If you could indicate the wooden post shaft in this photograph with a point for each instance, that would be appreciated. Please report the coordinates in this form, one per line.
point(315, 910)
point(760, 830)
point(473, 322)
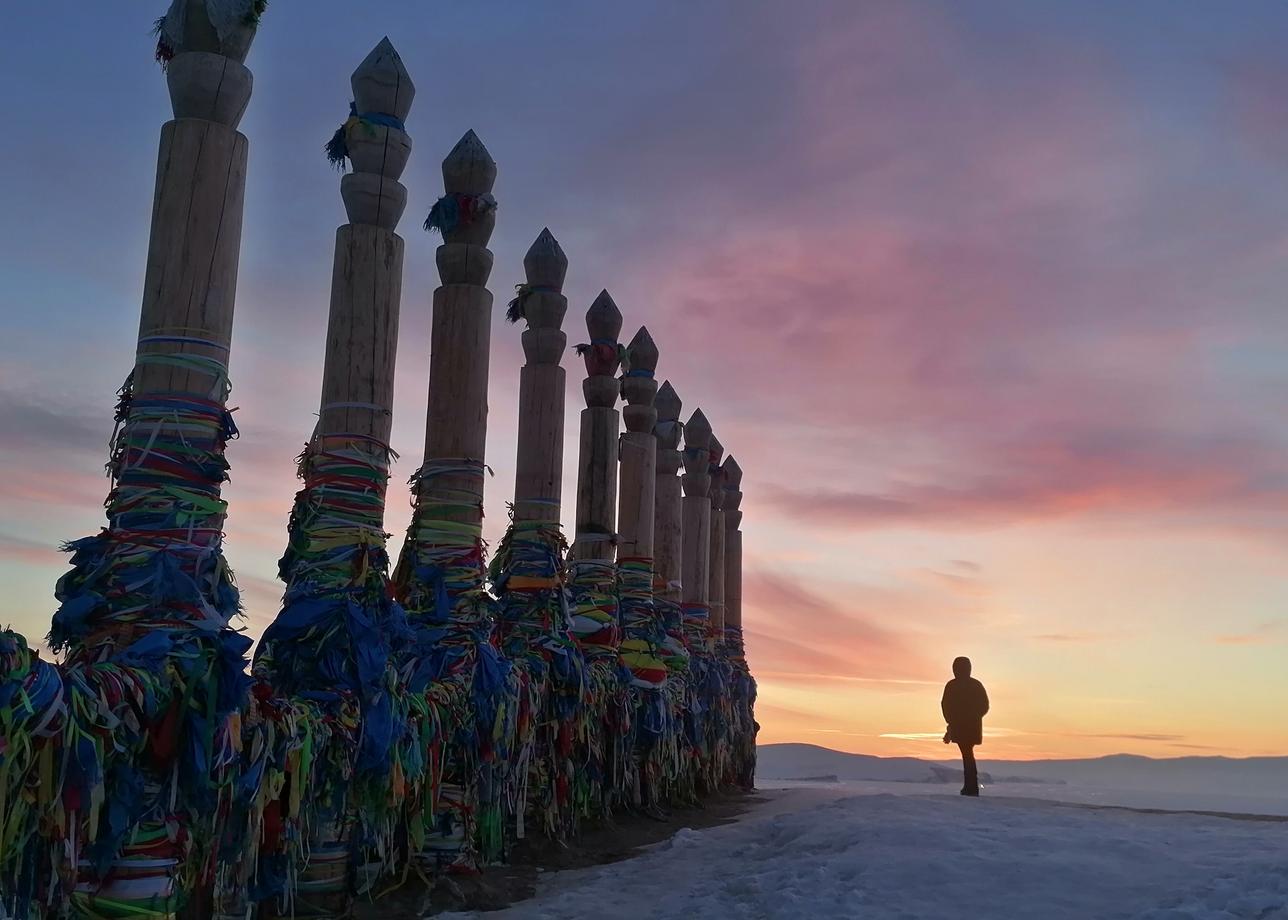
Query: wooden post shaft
point(667, 503)
point(733, 542)
point(538, 468)
point(638, 451)
point(596, 531)
point(448, 515)
point(697, 512)
point(716, 557)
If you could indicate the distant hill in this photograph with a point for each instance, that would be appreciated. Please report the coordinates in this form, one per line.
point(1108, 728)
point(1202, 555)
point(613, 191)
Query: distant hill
point(810, 763)
point(1254, 776)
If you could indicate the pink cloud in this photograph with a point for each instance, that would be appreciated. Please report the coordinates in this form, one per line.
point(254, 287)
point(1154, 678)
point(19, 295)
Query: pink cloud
point(31, 552)
point(1069, 476)
point(796, 630)
point(1264, 634)
point(1074, 637)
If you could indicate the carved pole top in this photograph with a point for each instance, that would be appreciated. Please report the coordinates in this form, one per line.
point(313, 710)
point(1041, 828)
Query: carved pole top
point(381, 84)
point(469, 169)
point(545, 265)
point(642, 352)
point(697, 432)
point(224, 28)
point(668, 405)
point(715, 450)
point(697, 463)
point(733, 474)
point(667, 429)
point(540, 301)
point(638, 386)
point(603, 319)
point(715, 453)
point(602, 354)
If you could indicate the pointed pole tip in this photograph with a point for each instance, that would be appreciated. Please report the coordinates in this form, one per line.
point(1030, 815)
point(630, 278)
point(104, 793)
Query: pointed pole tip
point(604, 302)
point(469, 145)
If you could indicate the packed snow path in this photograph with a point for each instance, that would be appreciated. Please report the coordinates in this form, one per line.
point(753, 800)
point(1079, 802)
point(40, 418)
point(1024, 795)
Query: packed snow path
point(828, 853)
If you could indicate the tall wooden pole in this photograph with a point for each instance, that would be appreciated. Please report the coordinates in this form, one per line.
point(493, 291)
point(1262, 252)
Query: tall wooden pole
point(528, 572)
point(641, 639)
point(152, 592)
point(643, 636)
point(591, 568)
point(716, 557)
point(440, 574)
point(668, 518)
point(733, 548)
point(742, 687)
point(336, 626)
point(721, 705)
point(538, 468)
point(668, 555)
point(592, 554)
point(638, 452)
point(596, 534)
point(667, 513)
point(704, 684)
point(696, 547)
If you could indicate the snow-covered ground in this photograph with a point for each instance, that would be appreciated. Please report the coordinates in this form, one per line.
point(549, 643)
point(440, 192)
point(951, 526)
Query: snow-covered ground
point(907, 850)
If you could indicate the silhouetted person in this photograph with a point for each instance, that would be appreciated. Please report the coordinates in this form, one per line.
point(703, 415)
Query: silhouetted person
point(965, 704)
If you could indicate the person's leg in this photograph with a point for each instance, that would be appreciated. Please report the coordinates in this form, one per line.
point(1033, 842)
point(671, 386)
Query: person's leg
point(970, 773)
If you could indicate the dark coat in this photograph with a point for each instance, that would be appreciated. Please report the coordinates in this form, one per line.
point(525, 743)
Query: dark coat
point(965, 704)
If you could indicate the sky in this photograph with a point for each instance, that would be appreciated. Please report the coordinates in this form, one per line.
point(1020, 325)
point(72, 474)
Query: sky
point(986, 299)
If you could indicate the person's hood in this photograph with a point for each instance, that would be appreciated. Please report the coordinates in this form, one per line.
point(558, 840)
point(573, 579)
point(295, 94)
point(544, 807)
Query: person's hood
point(961, 667)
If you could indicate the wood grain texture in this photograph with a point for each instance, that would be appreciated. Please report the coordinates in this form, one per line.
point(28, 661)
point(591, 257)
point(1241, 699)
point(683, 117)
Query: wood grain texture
point(696, 556)
point(636, 495)
point(362, 332)
point(596, 484)
point(190, 282)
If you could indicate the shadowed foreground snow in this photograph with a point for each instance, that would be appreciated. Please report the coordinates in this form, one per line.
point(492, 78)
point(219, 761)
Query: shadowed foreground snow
point(827, 852)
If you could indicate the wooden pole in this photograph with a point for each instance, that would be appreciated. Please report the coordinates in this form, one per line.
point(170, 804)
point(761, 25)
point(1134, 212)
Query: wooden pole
point(704, 685)
point(528, 570)
point(668, 553)
point(638, 453)
point(733, 545)
point(716, 559)
point(742, 686)
point(157, 570)
point(591, 569)
point(538, 468)
point(446, 530)
point(667, 514)
point(335, 629)
point(596, 534)
point(696, 550)
point(440, 573)
point(643, 635)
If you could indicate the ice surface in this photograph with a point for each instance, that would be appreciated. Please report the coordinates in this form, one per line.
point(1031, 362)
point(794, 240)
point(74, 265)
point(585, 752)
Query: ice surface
point(856, 850)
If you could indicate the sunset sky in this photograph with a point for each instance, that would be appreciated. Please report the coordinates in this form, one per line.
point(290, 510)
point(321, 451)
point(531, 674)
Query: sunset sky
point(987, 298)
